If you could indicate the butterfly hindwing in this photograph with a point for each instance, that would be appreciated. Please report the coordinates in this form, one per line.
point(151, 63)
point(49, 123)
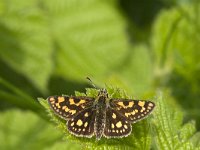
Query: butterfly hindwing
point(116, 124)
point(68, 106)
point(132, 110)
point(83, 123)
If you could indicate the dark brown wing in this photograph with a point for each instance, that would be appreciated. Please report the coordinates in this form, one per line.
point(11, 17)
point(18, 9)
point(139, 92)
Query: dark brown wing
point(83, 123)
point(67, 107)
point(116, 124)
point(132, 110)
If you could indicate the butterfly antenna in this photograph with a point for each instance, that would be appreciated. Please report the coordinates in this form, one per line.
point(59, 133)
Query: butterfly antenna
point(91, 82)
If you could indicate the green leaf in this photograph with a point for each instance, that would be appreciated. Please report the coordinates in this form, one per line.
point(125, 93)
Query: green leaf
point(86, 33)
point(64, 145)
point(170, 134)
point(137, 74)
point(195, 139)
point(25, 41)
point(140, 138)
point(14, 96)
point(173, 45)
point(24, 130)
point(176, 45)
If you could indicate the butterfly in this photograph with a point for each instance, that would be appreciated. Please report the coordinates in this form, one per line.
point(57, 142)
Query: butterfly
point(100, 116)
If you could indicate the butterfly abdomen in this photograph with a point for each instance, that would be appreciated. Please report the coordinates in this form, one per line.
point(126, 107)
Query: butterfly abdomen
point(100, 117)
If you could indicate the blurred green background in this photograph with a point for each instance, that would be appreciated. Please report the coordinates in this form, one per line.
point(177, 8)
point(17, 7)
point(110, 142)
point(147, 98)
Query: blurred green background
point(48, 47)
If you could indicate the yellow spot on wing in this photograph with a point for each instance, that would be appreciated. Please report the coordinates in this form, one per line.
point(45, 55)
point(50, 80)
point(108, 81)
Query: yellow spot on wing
point(85, 125)
point(127, 114)
point(114, 116)
point(151, 104)
point(133, 112)
point(112, 125)
point(66, 109)
point(61, 99)
point(71, 101)
point(58, 105)
point(72, 111)
point(79, 122)
point(143, 109)
point(125, 126)
point(52, 102)
point(72, 124)
point(141, 103)
point(119, 124)
point(52, 99)
point(82, 101)
point(121, 104)
point(86, 114)
point(130, 104)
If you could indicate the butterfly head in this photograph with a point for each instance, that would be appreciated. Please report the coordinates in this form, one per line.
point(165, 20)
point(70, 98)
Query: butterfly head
point(103, 93)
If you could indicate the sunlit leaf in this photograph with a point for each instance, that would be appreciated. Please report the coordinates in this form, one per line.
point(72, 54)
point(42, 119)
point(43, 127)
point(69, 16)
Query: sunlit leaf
point(90, 39)
point(25, 41)
point(24, 130)
point(170, 134)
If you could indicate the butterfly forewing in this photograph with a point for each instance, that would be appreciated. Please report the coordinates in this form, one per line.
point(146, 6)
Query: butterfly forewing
point(116, 124)
point(83, 123)
point(67, 107)
point(132, 110)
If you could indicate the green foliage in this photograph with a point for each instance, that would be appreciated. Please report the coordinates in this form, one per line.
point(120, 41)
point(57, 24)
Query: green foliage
point(24, 130)
point(136, 77)
point(177, 54)
point(170, 134)
point(84, 33)
point(17, 97)
point(26, 33)
point(48, 47)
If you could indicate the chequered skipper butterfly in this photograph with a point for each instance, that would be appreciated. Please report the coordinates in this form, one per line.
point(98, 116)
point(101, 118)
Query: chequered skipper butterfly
point(100, 116)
